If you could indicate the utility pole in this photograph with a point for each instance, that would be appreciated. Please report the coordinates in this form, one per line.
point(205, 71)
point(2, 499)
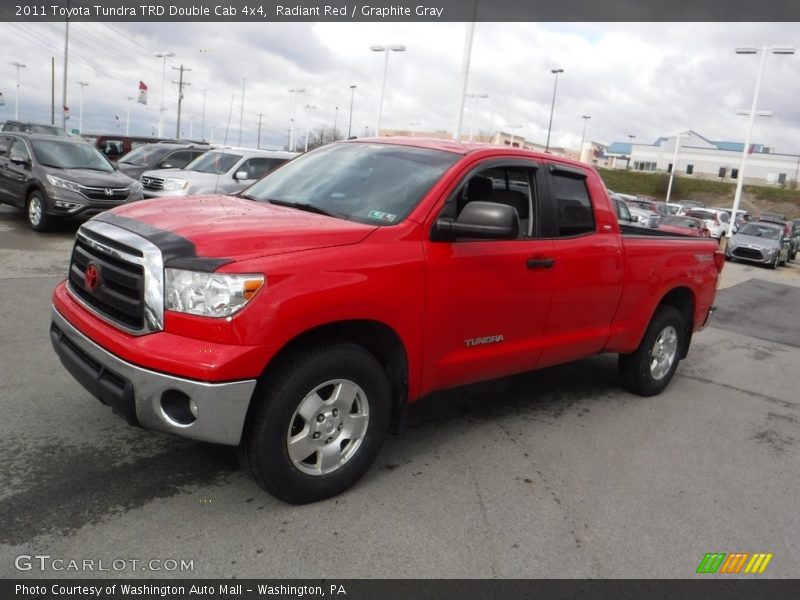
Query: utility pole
point(128, 117)
point(241, 114)
point(64, 87)
point(180, 85)
point(350, 123)
point(83, 84)
point(258, 143)
point(335, 118)
point(52, 90)
point(16, 97)
point(203, 118)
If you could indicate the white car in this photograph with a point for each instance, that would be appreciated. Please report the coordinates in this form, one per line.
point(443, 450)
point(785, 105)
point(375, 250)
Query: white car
point(716, 220)
point(219, 171)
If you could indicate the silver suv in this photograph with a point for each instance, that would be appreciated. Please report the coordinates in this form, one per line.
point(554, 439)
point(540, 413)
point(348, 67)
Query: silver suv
point(220, 171)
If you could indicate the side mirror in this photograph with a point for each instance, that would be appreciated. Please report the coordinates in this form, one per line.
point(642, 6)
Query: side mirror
point(165, 165)
point(484, 220)
point(240, 175)
point(20, 161)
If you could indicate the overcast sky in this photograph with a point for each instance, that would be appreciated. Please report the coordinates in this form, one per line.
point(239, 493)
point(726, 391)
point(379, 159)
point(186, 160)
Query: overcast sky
point(643, 79)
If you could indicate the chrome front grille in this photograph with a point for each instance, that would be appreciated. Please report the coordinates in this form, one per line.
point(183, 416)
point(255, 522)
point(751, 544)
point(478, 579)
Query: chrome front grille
point(152, 183)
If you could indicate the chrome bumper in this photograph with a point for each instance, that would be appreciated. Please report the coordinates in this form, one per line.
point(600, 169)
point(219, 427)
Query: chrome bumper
point(139, 394)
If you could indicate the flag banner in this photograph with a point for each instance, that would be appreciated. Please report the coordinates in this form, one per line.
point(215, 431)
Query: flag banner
point(142, 93)
point(66, 112)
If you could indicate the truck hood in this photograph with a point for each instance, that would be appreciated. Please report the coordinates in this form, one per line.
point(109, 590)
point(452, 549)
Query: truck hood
point(233, 228)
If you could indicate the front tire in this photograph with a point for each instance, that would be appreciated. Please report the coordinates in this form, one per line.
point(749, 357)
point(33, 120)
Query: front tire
point(36, 212)
point(649, 369)
point(320, 421)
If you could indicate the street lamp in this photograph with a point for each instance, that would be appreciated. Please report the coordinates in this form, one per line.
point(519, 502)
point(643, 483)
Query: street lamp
point(335, 119)
point(128, 117)
point(583, 135)
point(16, 95)
point(474, 111)
point(308, 108)
point(512, 128)
point(163, 56)
point(294, 92)
point(393, 48)
point(552, 106)
point(630, 142)
point(740, 177)
point(674, 165)
point(80, 106)
point(350, 122)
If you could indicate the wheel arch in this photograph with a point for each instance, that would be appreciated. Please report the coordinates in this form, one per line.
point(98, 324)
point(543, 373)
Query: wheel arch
point(379, 339)
point(683, 300)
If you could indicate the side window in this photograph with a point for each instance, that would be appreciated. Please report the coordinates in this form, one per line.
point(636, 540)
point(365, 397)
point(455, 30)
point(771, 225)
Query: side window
point(256, 168)
point(19, 151)
point(574, 213)
point(5, 144)
point(178, 160)
point(504, 185)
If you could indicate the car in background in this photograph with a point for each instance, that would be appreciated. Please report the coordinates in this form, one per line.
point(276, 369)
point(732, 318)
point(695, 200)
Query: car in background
point(689, 204)
point(784, 222)
point(644, 217)
point(624, 216)
point(55, 178)
point(683, 225)
point(219, 171)
point(795, 237)
point(760, 242)
point(742, 216)
point(26, 127)
point(161, 155)
point(716, 220)
point(115, 146)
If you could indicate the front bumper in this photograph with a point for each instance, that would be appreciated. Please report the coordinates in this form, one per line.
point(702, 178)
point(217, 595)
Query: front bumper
point(763, 256)
point(151, 399)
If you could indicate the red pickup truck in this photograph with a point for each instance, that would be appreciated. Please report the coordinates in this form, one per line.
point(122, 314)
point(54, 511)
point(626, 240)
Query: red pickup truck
point(298, 319)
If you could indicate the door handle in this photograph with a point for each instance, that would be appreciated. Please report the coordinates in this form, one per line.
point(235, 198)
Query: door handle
point(540, 263)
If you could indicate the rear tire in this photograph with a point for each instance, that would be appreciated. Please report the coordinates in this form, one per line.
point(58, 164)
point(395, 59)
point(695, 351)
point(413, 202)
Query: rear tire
point(320, 422)
point(649, 369)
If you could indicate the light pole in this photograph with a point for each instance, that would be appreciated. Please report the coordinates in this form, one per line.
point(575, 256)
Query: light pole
point(16, 95)
point(335, 119)
point(294, 92)
point(241, 113)
point(512, 128)
point(583, 135)
point(308, 107)
point(350, 122)
point(630, 142)
point(80, 106)
point(740, 177)
point(386, 49)
point(474, 112)
point(674, 165)
point(413, 125)
point(128, 117)
point(163, 56)
point(552, 107)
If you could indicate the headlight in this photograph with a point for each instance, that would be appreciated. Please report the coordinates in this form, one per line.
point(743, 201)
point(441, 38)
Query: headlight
point(135, 187)
point(172, 184)
point(63, 183)
point(642, 220)
point(209, 294)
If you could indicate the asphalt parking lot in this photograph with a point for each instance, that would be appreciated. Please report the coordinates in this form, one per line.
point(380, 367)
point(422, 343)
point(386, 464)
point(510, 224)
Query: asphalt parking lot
point(556, 473)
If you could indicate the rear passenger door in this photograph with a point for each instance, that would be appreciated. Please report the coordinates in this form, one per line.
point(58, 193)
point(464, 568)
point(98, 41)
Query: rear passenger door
point(587, 265)
point(15, 172)
point(487, 299)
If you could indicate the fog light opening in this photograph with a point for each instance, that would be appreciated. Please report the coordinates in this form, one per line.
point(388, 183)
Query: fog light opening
point(179, 407)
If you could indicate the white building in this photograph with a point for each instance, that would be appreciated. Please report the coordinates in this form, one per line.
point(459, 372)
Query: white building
point(703, 158)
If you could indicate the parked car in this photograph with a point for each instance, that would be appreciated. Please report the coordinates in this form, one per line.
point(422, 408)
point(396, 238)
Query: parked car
point(742, 216)
point(219, 171)
point(161, 155)
point(760, 242)
point(795, 238)
point(644, 217)
point(55, 178)
point(298, 320)
point(689, 204)
point(716, 220)
point(685, 226)
point(26, 127)
point(624, 216)
point(788, 230)
point(115, 146)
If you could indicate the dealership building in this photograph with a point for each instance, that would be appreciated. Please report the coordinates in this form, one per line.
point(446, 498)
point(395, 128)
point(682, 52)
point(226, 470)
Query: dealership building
point(706, 159)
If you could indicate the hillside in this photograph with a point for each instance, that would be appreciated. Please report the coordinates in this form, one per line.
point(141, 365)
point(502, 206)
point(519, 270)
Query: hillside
point(756, 199)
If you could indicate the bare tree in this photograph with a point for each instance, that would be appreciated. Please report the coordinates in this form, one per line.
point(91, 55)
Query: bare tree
point(321, 135)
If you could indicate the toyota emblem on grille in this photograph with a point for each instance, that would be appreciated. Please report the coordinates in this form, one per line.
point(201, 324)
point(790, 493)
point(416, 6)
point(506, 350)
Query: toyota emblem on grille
point(109, 192)
point(92, 277)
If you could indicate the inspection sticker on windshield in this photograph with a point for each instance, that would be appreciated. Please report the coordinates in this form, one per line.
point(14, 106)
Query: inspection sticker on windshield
point(383, 216)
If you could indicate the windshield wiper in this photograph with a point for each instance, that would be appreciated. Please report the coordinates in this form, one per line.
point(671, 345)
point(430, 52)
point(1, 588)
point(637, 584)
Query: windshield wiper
point(312, 208)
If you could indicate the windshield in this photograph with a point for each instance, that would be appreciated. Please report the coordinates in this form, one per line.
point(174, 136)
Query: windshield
point(682, 222)
point(70, 155)
point(760, 231)
point(370, 183)
point(144, 156)
point(213, 162)
point(47, 129)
